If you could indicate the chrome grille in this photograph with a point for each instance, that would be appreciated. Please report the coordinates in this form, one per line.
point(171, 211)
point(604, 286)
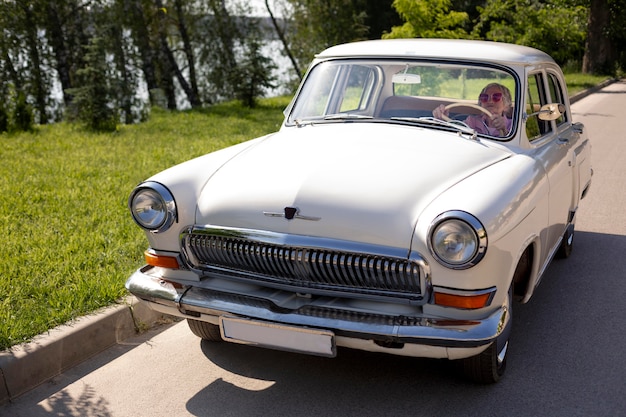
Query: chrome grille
point(255, 256)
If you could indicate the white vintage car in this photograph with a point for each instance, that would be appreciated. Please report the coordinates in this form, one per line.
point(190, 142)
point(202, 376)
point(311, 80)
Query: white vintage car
point(416, 188)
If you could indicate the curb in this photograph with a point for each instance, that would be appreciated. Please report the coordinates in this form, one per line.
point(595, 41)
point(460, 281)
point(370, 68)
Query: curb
point(24, 367)
point(573, 99)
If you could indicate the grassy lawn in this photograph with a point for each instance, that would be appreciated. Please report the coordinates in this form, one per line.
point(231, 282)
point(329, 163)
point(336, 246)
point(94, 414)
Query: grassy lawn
point(68, 242)
point(577, 82)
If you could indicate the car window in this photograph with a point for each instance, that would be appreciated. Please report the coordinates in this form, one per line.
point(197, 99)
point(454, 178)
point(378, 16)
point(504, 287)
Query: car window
point(556, 94)
point(359, 84)
point(332, 89)
point(362, 89)
point(535, 98)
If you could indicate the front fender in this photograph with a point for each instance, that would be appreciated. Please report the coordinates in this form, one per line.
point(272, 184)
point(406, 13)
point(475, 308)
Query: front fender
point(510, 199)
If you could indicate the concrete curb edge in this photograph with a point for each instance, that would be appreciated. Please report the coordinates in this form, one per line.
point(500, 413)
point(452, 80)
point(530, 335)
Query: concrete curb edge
point(578, 96)
point(25, 366)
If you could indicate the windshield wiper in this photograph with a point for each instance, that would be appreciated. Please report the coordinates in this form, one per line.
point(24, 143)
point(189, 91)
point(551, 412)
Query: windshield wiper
point(458, 125)
point(347, 116)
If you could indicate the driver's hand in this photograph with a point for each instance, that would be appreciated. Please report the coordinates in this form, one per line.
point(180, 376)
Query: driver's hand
point(440, 111)
point(499, 122)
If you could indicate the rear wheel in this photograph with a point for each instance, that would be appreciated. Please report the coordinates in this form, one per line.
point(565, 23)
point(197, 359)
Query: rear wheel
point(204, 330)
point(567, 244)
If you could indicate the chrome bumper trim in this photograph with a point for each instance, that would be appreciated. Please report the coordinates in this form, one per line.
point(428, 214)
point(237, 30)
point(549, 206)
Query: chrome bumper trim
point(194, 303)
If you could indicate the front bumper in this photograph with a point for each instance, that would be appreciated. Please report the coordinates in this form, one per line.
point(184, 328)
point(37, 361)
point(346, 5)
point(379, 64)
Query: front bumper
point(432, 337)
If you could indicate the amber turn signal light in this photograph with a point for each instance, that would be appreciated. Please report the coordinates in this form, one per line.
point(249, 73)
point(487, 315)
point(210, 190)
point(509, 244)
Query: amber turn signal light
point(462, 301)
point(160, 260)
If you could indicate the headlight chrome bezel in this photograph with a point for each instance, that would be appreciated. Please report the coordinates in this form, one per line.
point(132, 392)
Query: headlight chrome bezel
point(472, 229)
point(164, 201)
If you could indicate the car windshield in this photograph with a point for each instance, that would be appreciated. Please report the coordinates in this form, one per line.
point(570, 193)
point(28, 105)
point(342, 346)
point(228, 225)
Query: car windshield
point(469, 96)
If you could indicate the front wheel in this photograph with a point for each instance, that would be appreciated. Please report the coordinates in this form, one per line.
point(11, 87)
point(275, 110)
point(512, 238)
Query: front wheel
point(488, 366)
point(204, 330)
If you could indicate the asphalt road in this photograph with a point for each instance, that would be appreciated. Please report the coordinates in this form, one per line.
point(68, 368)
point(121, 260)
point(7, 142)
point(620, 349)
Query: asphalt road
point(567, 353)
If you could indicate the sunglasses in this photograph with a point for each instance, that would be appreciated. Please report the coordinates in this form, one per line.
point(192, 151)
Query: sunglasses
point(495, 97)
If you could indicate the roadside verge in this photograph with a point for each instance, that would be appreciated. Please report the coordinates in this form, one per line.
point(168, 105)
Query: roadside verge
point(25, 366)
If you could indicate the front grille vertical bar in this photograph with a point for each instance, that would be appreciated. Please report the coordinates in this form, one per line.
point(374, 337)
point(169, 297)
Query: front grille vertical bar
point(304, 267)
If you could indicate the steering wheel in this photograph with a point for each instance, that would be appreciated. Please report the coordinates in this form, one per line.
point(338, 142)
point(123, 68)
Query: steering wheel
point(474, 106)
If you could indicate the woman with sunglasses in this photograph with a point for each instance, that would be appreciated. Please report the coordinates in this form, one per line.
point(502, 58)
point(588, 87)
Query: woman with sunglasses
point(495, 98)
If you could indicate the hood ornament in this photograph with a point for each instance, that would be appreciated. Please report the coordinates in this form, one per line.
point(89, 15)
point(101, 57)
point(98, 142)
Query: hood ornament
point(290, 213)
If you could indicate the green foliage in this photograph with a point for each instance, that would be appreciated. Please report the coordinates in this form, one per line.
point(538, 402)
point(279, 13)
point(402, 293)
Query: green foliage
point(68, 240)
point(558, 27)
point(94, 97)
point(319, 24)
point(4, 120)
point(429, 19)
point(254, 74)
point(22, 114)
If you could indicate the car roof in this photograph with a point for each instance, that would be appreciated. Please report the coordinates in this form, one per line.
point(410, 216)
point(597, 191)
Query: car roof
point(444, 49)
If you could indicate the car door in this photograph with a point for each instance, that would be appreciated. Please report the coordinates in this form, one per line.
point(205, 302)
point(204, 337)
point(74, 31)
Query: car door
point(552, 146)
point(574, 134)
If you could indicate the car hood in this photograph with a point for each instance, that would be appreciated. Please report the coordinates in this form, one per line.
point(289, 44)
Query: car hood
point(364, 182)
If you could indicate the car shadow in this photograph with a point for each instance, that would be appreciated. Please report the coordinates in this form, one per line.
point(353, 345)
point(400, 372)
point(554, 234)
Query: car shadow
point(567, 335)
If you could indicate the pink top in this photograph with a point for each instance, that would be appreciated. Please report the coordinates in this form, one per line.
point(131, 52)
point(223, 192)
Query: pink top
point(479, 124)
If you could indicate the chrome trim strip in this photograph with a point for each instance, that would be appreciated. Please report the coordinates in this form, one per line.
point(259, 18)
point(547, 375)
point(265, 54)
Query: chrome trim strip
point(203, 304)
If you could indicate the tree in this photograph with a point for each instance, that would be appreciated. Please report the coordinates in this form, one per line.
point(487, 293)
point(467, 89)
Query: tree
point(318, 24)
point(429, 19)
point(283, 39)
point(92, 102)
point(557, 27)
point(20, 47)
point(171, 66)
point(188, 51)
point(254, 74)
point(65, 23)
point(139, 24)
point(604, 49)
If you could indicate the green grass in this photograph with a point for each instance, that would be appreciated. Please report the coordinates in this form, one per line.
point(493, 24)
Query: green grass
point(577, 82)
point(68, 242)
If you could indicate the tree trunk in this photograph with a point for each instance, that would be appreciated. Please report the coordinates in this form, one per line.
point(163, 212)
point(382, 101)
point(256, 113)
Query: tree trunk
point(599, 55)
point(283, 40)
point(188, 48)
point(39, 88)
point(141, 35)
point(61, 52)
point(172, 65)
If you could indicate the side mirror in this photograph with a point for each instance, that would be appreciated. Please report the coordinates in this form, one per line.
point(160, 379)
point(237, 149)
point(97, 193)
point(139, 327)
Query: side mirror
point(549, 112)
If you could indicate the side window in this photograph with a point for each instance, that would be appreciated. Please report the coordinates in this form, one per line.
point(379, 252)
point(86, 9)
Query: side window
point(556, 93)
point(358, 89)
point(535, 98)
point(315, 96)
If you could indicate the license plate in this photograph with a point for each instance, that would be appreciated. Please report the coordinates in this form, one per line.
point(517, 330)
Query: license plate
point(278, 336)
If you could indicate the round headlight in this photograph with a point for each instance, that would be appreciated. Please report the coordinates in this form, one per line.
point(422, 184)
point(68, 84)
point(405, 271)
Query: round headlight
point(458, 240)
point(152, 207)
